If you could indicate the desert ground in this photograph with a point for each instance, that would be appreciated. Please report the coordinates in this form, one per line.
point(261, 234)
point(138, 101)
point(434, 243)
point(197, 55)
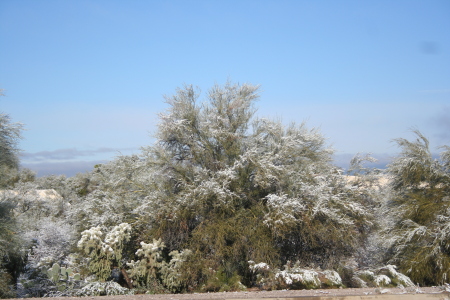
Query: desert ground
point(415, 293)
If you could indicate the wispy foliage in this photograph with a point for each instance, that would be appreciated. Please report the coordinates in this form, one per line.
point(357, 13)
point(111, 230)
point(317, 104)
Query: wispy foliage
point(421, 206)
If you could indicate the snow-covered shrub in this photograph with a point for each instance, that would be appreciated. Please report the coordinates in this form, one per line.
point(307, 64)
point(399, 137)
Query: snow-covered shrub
point(214, 164)
point(298, 279)
point(112, 193)
point(294, 277)
point(382, 280)
point(330, 278)
point(396, 277)
point(381, 277)
point(262, 275)
point(156, 272)
point(51, 242)
point(108, 288)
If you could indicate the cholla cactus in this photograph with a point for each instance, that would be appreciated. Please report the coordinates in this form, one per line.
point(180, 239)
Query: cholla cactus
point(172, 272)
point(116, 239)
point(146, 270)
point(90, 239)
point(107, 254)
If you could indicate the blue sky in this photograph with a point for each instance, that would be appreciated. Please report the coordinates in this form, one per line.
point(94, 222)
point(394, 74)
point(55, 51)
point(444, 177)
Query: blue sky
point(87, 78)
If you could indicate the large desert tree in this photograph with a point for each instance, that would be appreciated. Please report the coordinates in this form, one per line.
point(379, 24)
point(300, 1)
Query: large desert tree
point(234, 188)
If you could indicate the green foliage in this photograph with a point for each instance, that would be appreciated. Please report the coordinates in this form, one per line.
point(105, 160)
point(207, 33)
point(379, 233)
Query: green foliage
point(7, 225)
point(12, 257)
point(222, 281)
point(6, 290)
point(228, 242)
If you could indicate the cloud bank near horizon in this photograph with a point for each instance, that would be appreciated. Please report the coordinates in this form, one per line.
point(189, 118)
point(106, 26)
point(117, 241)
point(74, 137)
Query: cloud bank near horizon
point(68, 169)
point(67, 161)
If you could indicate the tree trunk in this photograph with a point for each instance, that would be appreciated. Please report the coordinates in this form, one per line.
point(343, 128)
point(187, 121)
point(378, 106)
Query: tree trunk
point(127, 279)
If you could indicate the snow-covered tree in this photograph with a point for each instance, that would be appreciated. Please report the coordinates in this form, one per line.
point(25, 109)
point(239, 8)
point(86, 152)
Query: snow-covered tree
point(420, 207)
point(216, 171)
